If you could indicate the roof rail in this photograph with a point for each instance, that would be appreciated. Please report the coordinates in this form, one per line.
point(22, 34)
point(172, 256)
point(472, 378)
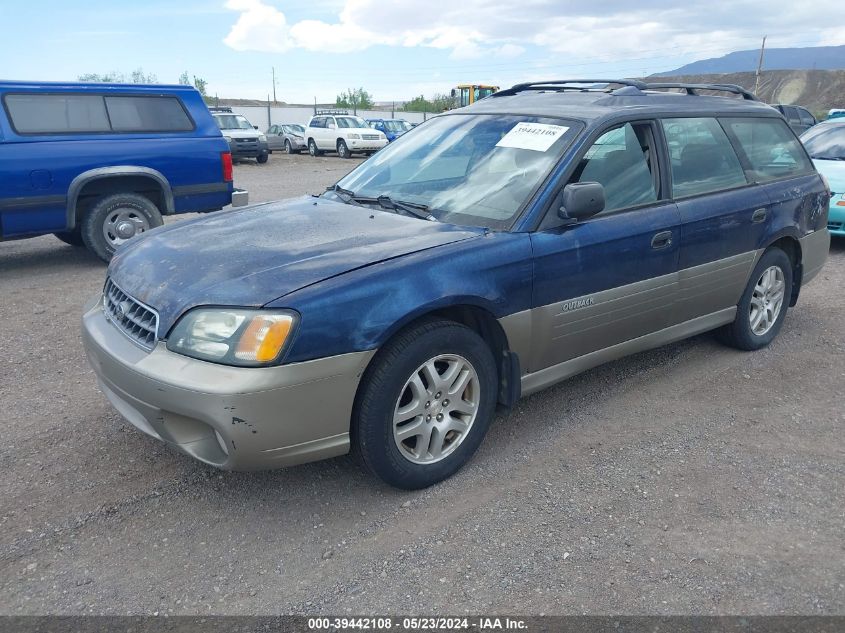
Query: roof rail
point(691, 88)
point(566, 84)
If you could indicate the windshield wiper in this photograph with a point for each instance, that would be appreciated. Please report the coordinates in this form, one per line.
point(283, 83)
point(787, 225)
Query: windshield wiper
point(348, 196)
point(412, 208)
point(828, 157)
point(386, 202)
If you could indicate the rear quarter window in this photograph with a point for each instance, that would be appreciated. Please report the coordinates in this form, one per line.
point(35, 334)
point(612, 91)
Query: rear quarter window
point(770, 147)
point(56, 113)
point(148, 114)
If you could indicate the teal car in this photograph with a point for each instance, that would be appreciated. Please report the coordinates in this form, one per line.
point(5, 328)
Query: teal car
point(825, 143)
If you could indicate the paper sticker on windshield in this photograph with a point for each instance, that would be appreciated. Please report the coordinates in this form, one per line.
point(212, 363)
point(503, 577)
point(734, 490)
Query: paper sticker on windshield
point(534, 136)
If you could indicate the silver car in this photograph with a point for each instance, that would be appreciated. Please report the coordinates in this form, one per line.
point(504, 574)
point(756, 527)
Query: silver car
point(287, 137)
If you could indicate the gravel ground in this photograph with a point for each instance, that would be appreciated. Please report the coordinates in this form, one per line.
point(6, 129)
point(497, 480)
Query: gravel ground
point(690, 479)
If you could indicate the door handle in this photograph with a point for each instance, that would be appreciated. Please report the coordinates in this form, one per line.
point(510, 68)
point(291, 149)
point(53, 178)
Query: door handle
point(758, 216)
point(662, 240)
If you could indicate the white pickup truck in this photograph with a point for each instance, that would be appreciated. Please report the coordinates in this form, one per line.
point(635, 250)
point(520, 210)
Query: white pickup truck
point(342, 133)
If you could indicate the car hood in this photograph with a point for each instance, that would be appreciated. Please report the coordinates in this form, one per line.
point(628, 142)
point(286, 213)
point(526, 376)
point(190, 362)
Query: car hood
point(834, 171)
point(249, 257)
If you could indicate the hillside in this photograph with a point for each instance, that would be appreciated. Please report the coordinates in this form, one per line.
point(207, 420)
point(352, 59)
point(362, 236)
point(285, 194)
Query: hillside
point(811, 58)
point(816, 90)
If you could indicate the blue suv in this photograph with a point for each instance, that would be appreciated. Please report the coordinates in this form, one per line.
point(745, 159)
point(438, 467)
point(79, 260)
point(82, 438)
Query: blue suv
point(489, 253)
point(97, 164)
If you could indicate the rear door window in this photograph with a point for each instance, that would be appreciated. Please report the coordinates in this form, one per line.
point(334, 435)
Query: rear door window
point(771, 148)
point(702, 157)
point(806, 117)
point(148, 114)
point(57, 113)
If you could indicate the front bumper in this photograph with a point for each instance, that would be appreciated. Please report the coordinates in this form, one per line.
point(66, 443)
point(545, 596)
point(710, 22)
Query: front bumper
point(361, 145)
point(836, 215)
point(244, 148)
point(229, 417)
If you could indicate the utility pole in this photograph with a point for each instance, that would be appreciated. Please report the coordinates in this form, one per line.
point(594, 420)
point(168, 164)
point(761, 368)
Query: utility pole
point(273, 68)
point(759, 67)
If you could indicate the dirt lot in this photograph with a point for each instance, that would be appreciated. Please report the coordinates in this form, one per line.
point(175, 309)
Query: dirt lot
point(691, 479)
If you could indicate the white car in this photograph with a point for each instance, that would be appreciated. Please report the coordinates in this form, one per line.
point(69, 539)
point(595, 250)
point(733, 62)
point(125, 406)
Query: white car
point(342, 133)
point(245, 141)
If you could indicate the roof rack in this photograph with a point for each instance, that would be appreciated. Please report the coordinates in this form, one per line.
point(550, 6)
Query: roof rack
point(567, 84)
point(331, 111)
point(220, 109)
point(691, 88)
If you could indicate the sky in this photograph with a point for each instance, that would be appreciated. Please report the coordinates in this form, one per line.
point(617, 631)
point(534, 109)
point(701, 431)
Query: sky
point(394, 49)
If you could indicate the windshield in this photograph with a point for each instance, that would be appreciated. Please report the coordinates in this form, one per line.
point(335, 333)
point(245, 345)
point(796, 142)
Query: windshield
point(825, 142)
point(232, 122)
point(296, 129)
point(468, 169)
point(350, 121)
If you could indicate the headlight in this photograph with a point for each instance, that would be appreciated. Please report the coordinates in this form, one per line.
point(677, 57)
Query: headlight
point(299, 138)
point(228, 139)
point(352, 135)
point(233, 336)
point(262, 137)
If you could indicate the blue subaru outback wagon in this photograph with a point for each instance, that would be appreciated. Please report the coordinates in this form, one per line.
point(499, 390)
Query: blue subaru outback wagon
point(488, 253)
point(97, 164)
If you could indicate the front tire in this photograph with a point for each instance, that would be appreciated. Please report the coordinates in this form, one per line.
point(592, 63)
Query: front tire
point(262, 158)
point(343, 149)
point(762, 309)
point(288, 148)
point(425, 404)
point(115, 220)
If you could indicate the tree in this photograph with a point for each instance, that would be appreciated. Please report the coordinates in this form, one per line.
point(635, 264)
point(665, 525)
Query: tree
point(200, 84)
point(137, 76)
point(184, 79)
point(110, 77)
point(355, 98)
point(418, 104)
point(438, 103)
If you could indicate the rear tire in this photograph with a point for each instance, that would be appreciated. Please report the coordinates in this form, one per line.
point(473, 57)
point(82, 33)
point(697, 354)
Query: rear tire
point(762, 308)
point(115, 220)
point(425, 404)
point(312, 148)
point(74, 237)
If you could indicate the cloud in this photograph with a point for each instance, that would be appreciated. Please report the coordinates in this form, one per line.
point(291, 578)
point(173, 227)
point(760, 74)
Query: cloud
point(260, 27)
point(577, 29)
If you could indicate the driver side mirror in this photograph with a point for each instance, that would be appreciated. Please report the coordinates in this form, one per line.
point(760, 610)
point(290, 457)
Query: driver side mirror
point(255, 127)
point(581, 200)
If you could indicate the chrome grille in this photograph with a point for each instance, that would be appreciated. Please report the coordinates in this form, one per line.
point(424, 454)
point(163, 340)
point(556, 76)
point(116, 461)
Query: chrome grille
point(137, 321)
point(370, 137)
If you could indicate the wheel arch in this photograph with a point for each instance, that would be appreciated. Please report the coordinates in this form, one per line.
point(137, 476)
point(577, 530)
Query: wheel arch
point(107, 180)
point(789, 244)
point(480, 319)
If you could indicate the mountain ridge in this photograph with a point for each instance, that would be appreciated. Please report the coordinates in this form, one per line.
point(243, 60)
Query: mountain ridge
point(807, 58)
